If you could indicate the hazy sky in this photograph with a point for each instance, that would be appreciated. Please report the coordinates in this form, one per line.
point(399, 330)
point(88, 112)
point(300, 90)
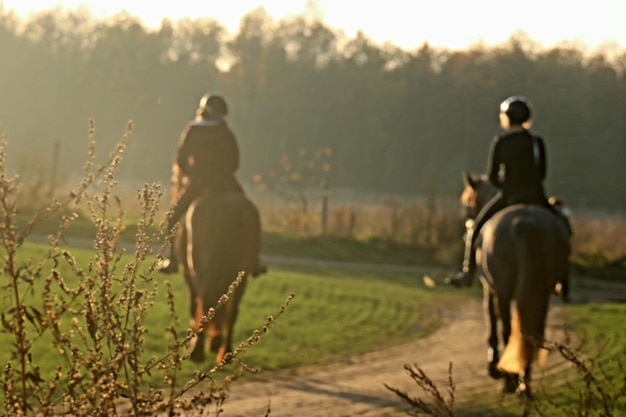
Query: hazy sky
point(406, 23)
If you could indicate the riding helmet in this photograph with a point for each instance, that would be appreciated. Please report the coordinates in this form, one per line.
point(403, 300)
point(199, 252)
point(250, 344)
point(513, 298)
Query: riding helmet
point(213, 103)
point(516, 108)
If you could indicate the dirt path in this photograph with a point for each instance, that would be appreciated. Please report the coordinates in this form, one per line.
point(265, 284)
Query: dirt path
point(356, 387)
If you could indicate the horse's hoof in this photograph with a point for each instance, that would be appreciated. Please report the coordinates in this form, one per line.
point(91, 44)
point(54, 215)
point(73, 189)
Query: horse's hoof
point(511, 384)
point(523, 393)
point(492, 363)
point(494, 372)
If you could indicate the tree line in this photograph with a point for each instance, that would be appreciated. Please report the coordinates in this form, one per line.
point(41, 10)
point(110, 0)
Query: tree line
point(397, 121)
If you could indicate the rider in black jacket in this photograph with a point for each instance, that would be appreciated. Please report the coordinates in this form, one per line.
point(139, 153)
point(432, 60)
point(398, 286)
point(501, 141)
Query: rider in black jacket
point(517, 167)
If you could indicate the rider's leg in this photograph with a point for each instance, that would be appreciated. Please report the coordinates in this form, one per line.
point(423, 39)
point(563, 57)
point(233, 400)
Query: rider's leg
point(170, 264)
point(465, 278)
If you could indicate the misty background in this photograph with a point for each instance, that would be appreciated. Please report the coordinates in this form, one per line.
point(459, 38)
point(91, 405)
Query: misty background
point(397, 121)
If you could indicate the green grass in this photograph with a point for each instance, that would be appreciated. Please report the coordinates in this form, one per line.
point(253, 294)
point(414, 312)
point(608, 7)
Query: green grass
point(600, 325)
point(335, 314)
point(602, 335)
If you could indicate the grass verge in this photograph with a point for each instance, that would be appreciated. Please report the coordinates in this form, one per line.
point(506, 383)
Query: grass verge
point(370, 310)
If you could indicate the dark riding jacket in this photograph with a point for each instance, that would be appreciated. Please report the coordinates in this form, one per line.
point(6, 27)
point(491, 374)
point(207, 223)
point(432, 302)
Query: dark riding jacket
point(517, 166)
point(208, 155)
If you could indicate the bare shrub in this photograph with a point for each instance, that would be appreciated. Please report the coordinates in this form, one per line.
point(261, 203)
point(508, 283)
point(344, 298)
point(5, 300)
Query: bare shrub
point(90, 321)
point(435, 403)
point(343, 221)
point(599, 390)
point(295, 179)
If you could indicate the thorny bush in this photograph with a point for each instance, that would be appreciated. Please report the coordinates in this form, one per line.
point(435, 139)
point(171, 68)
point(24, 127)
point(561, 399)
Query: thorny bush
point(599, 391)
point(91, 322)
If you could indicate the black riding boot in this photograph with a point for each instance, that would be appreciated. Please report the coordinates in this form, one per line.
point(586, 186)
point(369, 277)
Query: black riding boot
point(465, 278)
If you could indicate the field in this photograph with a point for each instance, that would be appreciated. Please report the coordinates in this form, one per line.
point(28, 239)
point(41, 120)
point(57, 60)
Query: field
point(340, 313)
point(377, 309)
point(88, 319)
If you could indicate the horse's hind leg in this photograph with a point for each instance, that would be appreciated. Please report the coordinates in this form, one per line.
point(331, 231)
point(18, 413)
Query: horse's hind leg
point(220, 341)
point(216, 330)
point(197, 354)
point(220, 332)
point(504, 309)
point(493, 355)
point(228, 323)
point(511, 381)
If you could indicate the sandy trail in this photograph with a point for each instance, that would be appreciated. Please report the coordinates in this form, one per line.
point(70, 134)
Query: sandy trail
point(356, 387)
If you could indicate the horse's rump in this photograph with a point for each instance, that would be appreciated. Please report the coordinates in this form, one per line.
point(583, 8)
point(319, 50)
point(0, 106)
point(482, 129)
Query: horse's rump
point(521, 239)
point(525, 253)
point(224, 239)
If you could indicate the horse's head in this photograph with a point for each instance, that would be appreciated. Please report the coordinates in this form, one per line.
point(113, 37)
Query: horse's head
point(478, 191)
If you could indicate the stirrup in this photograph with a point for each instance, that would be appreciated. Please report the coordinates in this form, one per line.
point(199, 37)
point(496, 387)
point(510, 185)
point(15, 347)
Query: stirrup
point(461, 279)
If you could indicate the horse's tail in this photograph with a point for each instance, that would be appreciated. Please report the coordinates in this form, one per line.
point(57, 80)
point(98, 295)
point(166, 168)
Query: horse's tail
point(530, 309)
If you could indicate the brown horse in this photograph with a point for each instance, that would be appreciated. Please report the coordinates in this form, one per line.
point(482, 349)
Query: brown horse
point(523, 253)
point(220, 241)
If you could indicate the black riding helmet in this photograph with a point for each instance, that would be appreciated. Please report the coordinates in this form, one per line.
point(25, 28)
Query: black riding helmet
point(212, 103)
point(516, 108)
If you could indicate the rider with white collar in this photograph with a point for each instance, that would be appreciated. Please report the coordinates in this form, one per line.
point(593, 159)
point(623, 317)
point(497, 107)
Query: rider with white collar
point(207, 156)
